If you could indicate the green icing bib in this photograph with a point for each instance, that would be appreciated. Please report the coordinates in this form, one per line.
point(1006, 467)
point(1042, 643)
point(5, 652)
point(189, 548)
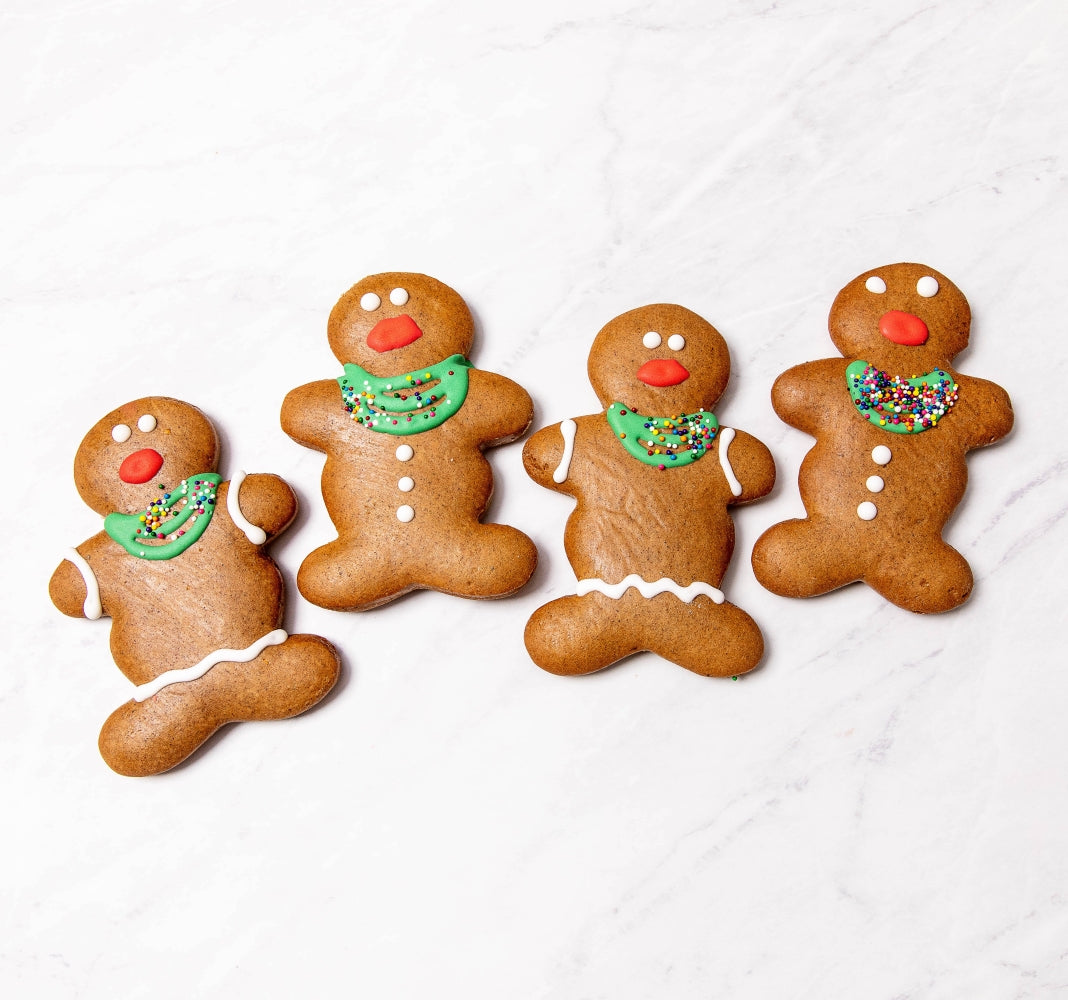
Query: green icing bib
point(157, 533)
point(670, 442)
point(900, 405)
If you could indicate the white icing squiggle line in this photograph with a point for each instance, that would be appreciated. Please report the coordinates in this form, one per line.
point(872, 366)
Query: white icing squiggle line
point(168, 677)
point(665, 585)
point(233, 506)
point(91, 607)
point(567, 429)
point(726, 436)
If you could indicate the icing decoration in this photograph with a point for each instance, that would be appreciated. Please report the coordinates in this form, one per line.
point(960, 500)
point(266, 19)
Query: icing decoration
point(903, 328)
point(145, 691)
point(666, 442)
point(406, 484)
point(405, 513)
point(146, 422)
point(398, 297)
point(405, 452)
point(253, 533)
point(901, 405)
point(369, 302)
point(652, 340)
point(880, 454)
point(875, 484)
point(676, 341)
point(725, 438)
point(875, 284)
point(121, 433)
point(665, 585)
point(91, 606)
point(406, 404)
point(662, 372)
point(867, 511)
point(393, 333)
point(173, 521)
point(927, 286)
point(141, 466)
point(567, 430)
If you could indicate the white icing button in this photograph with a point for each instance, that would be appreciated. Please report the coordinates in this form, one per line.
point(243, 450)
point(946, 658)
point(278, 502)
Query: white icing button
point(676, 341)
point(880, 454)
point(146, 423)
point(866, 511)
point(406, 513)
point(398, 296)
point(406, 484)
point(370, 302)
point(405, 452)
point(875, 484)
point(120, 432)
point(651, 339)
point(875, 284)
point(927, 286)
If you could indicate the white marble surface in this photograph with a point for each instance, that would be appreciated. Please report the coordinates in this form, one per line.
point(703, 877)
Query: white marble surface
point(879, 811)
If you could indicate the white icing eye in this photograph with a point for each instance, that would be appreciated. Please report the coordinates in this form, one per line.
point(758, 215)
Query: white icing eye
point(120, 432)
point(146, 423)
point(875, 284)
point(370, 302)
point(676, 341)
point(927, 286)
point(652, 339)
point(398, 296)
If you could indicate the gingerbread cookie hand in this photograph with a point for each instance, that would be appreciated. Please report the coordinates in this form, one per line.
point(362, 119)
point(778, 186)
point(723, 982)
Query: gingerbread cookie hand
point(893, 422)
point(654, 474)
point(195, 604)
point(408, 421)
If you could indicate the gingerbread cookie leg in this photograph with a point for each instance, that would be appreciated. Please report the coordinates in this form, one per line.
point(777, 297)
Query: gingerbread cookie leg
point(578, 635)
point(162, 726)
point(806, 557)
point(493, 561)
point(713, 640)
point(929, 577)
point(344, 576)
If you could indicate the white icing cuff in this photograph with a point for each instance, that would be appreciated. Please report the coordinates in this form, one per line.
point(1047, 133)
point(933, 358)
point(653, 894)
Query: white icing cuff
point(91, 607)
point(233, 507)
point(567, 429)
point(726, 436)
point(665, 585)
point(145, 691)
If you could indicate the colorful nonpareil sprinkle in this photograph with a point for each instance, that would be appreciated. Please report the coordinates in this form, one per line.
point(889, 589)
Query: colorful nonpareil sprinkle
point(897, 404)
point(664, 442)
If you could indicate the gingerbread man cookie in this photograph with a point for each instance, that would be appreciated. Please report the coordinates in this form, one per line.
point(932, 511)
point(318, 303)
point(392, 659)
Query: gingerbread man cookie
point(405, 480)
point(651, 536)
point(195, 603)
point(893, 422)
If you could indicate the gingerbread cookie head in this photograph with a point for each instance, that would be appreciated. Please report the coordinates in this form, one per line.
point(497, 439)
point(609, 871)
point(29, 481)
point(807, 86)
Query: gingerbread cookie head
point(123, 460)
point(659, 359)
point(905, 318)
point(399, 322)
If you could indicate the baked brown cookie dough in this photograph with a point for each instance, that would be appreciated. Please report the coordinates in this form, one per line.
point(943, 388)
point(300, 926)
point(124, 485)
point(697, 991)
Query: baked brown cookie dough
point(653, 476)
point(404, 429)
point(893, 422)
point(195, 603)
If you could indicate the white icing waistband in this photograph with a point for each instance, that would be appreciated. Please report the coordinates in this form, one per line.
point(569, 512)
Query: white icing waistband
point(665, 585)
point(253, 533)
point(91, 607)
point(145, 691)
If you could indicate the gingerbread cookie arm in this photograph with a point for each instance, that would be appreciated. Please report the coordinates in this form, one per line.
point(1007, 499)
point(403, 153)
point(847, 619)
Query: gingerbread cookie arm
point(74, 587)
point(984, 410)
point(262, 505)
point(505, 409)
point(807, 395)
point(312, 414)
point(548, 455)
point(746, 463)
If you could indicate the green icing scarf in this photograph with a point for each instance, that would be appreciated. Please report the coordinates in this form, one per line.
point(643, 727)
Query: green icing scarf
point(171, 532)
point(670, 442)
point(379, 403)
point(900, 405)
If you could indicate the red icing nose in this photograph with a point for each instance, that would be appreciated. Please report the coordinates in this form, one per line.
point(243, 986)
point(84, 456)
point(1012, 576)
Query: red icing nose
point(903, 328)
point(389, 334)
point(662, 372)
point(141, 466)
